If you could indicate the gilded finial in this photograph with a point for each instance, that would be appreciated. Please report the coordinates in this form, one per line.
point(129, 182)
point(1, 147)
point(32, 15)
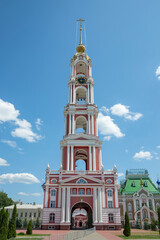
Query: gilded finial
point(81, 48)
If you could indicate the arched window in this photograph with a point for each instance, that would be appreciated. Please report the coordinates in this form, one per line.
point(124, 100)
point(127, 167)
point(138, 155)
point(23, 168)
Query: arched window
point(53, 192)
point(81, 68)
point(81, 180)
point(80, 165)
point(52, 217)
point(129, 207)
point(81, 125)
point(81, 95)
point(133, 184)
point(110, 216)
point(137, 204)
point(145, 214)
point(145, 184)
point(109, 193)
point(150, 204)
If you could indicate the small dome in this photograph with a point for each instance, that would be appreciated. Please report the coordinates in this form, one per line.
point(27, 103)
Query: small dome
point(81, 48)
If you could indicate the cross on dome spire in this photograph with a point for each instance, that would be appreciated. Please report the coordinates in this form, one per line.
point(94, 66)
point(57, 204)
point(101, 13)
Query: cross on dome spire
point(80, 20)
point(81, 48)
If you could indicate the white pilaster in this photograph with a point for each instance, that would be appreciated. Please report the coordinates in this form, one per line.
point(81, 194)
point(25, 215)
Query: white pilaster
point(100, 158)
point(90, 159)
point(63, 204)
point(96, 126)
point(65, 124)
point(61, 166)
point(73, 125)
point(74, 93)
point(99, 204)
point(134, 203)
point(71, 158)
point(95, 205)
point(89, 124)
point(92, 95)
point(71, 95)
point(88, 94)
point(59, 197)
point(46, 198)
point(92, 124)
point(68, 157)
point(70, 123)
point(153, 205)
point(68, 205)
point(94, 159)
point(116, 197)
point(103, 197)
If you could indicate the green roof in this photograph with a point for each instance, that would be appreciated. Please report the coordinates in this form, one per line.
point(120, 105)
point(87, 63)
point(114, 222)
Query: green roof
point(128, 188)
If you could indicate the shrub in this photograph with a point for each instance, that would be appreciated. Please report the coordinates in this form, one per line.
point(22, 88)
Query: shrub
point(127, 228)
point(153, 225)
point(21, 233)
point(29, 228)
point(37, 225)
point(138, 225)
point(146, 226)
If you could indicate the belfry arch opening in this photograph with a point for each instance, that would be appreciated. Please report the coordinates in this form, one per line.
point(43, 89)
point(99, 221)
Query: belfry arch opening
point(81, 160)
point(81, 125)
point(81, 95)
point(81, 216)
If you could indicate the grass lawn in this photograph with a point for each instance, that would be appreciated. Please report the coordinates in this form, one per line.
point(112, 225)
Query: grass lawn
point(141, 236)
point(34, 235)
point(28, 238)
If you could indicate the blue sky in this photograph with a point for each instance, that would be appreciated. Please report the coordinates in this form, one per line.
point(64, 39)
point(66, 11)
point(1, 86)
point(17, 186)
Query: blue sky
point(37, 40)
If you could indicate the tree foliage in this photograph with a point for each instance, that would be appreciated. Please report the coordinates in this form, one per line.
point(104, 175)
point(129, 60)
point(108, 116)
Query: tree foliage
point(38, 224)
point(19, 223)
point(25, 223)
point(29, 228)
point(5, 200)
point(158, 212)
point(4, 224)
point(127, 228)
point(12, 224)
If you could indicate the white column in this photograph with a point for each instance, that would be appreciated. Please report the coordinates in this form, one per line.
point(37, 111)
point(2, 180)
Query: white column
point(88, 94)
point(46, 197)
point(100, 158)
point(134, 203)
point(68, 157)
point(92, 124)
point(95, 205)
point(96, 126)
point(92, 95)
point(89, 124)
point(103, 196)
point(73, 93)
point(94, 159)
point(63, 204)
point(68, 205)
point(90, 159)
point(61, 158)
point(69, 93)
point(153, 205)
point(73, 124)
point(116, 197)
point(99, 204)
point(70, 123)
point(124, 206)
point(71, 158)
point(59, 197)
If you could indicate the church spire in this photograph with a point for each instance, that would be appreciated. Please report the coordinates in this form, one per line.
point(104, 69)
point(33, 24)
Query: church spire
point(81, 48)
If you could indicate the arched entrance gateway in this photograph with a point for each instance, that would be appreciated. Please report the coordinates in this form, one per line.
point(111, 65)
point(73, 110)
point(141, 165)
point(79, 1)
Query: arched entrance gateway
point(81, 216)
point(81, 183)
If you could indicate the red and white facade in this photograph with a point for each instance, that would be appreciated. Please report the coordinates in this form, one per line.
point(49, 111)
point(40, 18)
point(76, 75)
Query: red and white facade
point(93, 189)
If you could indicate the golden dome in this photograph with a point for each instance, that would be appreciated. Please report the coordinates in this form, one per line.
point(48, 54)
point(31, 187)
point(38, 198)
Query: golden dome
point(81, 48)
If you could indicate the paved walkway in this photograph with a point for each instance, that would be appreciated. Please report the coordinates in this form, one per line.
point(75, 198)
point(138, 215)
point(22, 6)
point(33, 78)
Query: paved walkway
point(93, 236)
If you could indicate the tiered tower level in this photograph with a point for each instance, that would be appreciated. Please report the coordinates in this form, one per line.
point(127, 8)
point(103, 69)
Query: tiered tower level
point(92, 188)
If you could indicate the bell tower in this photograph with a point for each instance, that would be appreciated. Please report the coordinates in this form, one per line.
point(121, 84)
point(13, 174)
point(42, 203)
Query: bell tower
point(81, 139)
point(70, 190)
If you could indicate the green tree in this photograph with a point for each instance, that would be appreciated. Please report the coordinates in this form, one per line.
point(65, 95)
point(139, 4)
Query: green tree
point(25, 223)
point(12, 223)
point(153, 225)
point(5, 200)
point(38, 224)
point(19, 223)
point(127, 228)
point(4, 225)
point(158, 212)
point(29, 228)
point(138, 225)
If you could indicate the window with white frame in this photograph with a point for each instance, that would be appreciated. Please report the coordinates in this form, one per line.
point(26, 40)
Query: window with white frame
point(109, 193)
point(129, 207)
point(53, 192)
point(74, 191)
point(81, 191)
point(110, 216)
point(130, 216)
point(53, 204)
point(88, 191)
point(52, 217)
point(137, 204)
point(110, 204)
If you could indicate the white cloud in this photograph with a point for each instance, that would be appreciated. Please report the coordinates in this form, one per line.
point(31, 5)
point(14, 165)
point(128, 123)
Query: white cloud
point(120, 174)
point(157, 158)
point(24, 130)
point(123, 111)
point(7, 111)
point(29, 194)
point(143, 155)
point(108, 128)
point(158, 146)
point(12, 144)
point(158, 73)
point(38, 124)
point(3, 162)
point(26, 178)
point(104, 109)
point(126, 150)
